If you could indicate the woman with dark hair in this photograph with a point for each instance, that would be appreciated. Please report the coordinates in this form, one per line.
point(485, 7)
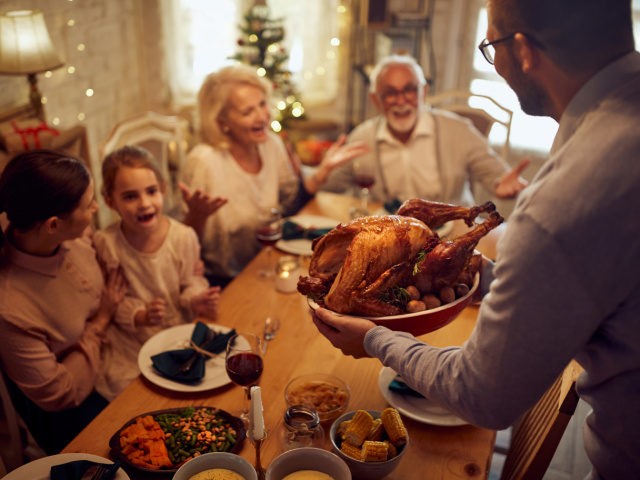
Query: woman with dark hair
point(54, 303)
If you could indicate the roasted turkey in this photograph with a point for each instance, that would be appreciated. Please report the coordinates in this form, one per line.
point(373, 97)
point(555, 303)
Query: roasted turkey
point(355, 267)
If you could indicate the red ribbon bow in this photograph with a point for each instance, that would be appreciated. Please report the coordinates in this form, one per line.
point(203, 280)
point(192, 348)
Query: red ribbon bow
point(34, 132)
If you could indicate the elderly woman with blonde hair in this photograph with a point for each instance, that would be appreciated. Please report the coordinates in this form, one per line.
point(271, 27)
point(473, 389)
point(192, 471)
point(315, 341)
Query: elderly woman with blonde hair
point(241, 164)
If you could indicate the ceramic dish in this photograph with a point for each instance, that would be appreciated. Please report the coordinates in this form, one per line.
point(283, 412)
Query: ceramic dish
point(417, 408)
point(175, 338)
point(425, 321)
point(227, 461)
point(360, 469)
point(39, 469)
point(302, 246)
point(116, 451)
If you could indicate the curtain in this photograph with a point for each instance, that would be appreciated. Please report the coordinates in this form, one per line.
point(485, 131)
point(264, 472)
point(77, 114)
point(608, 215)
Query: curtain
point(202, 34)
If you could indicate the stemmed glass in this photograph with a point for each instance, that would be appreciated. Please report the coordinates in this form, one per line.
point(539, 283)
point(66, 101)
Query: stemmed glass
point(244, 365)
point(268, 233)
point(364, 178)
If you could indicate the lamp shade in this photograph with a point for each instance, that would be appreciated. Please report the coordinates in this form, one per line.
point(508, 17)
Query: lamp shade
point(25, 45)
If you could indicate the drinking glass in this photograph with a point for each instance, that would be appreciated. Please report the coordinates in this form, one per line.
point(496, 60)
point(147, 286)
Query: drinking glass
point(268, 233)
point(364, 178)
point(244, 365)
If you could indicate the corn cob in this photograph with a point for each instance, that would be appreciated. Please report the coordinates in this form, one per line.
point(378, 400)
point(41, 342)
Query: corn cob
point(377, 431)
point(359, 428)
point(394, 427)
point(374, 451)
point(342, 428)
point(351, 450)
point(392, 452)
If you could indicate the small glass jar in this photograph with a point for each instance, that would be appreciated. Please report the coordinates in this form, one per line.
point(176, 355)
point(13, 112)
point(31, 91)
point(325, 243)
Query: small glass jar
point(301, 428)
point(288, 271)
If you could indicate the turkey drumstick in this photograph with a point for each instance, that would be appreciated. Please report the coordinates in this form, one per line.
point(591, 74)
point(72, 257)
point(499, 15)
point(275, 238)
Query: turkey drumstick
point(443, 264)
point(436, 214)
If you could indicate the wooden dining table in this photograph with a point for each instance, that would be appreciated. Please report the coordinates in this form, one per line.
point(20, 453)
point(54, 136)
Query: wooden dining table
point(435, 452)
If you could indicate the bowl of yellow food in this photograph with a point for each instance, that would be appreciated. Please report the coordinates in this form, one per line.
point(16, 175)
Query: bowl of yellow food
point(372, 443)
point(325, 393)
point(308, 463)
point(216, 466)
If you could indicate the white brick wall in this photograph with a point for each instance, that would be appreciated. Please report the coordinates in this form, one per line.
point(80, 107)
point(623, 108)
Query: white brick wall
point(121, 39)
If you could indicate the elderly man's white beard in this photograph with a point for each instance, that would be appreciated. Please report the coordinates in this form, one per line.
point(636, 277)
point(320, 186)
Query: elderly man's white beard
point(402, 119)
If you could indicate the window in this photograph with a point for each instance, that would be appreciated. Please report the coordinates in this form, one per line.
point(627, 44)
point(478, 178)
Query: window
point(205, 33)
point(527, 132)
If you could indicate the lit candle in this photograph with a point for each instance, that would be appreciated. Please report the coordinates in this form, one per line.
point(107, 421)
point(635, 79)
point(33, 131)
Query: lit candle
point(256, 418)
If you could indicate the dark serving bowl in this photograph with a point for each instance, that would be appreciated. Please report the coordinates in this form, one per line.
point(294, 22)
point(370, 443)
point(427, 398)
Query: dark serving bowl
point(426, 321)
point(116, 452)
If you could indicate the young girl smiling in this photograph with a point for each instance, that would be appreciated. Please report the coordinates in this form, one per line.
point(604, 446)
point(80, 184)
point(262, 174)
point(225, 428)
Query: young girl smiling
point(160, 258)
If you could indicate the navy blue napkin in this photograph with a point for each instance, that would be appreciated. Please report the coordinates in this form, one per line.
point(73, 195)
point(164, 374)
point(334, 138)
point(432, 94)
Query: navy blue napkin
point(293, 231)
point(392, 206)
point(74, 470)
point(402, 388)
point(169, 363)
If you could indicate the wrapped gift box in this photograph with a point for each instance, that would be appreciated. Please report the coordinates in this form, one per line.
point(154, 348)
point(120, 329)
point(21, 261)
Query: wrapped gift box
point(28, 134)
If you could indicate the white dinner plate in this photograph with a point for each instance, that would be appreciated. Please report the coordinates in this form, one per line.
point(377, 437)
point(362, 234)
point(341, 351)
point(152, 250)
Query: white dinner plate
point(39, 469)
point(175, 338)
point(302, 246)
point(417, 408)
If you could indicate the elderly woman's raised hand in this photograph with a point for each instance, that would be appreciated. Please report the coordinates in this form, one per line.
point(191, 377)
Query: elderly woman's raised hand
point(339, 153)
point(200, 203)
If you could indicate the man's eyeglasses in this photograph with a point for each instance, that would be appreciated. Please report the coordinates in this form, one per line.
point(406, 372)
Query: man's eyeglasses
point(488, 51)
point(409, 93)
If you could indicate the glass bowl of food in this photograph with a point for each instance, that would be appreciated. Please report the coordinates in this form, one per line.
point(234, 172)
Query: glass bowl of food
point(325, 393)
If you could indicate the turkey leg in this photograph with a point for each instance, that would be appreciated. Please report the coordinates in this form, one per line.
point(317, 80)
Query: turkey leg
point(442, 266)
point(436, 214)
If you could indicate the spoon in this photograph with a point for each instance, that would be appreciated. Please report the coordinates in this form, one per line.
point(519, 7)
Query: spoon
point(271, 327)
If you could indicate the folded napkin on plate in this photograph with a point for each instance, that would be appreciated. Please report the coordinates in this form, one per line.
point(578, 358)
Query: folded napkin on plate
point(292, 231)
point(74, 470)
point(169, 363)
point(392, 206)
point(398, 386)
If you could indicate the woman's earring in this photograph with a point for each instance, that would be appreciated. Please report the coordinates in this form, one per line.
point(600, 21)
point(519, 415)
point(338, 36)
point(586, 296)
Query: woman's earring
point(225, 129)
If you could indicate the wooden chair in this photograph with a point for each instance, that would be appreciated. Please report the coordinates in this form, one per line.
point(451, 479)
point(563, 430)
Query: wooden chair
point(535, 437)
point(16, 443)
point(165, 136)
point(482, 110)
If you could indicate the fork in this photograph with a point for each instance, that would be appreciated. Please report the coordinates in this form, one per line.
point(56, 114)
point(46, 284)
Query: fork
point(96, 472)
point(188, 363)
point(271, 327)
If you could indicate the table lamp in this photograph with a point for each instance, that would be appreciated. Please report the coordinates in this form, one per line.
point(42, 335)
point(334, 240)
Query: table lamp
point(26, 49)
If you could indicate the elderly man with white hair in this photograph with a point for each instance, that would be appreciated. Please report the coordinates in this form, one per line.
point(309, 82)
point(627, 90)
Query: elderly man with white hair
point(415, 151)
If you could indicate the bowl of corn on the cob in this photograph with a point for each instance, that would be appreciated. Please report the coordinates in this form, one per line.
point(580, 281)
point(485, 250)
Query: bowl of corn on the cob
point(371, 442)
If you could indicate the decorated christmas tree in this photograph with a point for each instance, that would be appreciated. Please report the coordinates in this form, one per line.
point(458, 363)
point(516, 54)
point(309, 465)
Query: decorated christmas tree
point(260, 46)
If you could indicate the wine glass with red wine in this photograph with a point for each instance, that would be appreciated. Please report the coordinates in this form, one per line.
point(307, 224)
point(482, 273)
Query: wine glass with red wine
point(268, 233)
point(244, 365)
point(363, 177)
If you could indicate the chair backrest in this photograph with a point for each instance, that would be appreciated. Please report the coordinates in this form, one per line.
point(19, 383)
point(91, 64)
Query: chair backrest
point(535, 437)
point(483, 111)
point(165, 136)
point(17, 445)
